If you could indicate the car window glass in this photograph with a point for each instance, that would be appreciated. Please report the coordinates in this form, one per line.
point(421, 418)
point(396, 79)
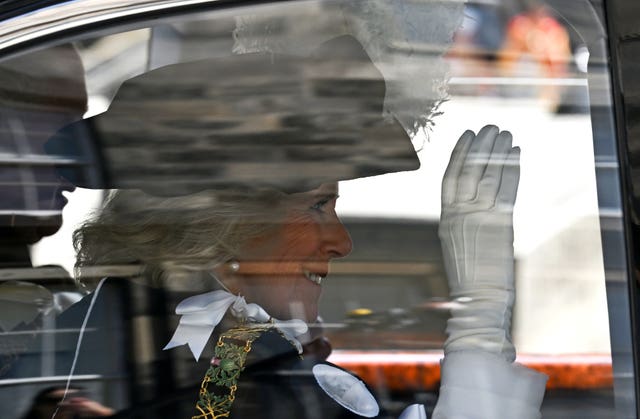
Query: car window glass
point(300, 126)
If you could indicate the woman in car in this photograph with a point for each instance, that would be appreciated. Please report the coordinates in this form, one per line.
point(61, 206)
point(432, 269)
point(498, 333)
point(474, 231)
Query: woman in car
point(251, 219)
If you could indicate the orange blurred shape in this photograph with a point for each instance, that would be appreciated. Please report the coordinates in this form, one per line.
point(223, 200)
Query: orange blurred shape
point(420, 371)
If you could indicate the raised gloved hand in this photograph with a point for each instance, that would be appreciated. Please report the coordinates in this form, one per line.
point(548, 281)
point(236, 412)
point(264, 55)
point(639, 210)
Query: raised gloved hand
point(479, 379)
point(476, 231)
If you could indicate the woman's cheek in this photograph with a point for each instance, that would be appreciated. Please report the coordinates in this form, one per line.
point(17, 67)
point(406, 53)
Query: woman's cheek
point(303, 237)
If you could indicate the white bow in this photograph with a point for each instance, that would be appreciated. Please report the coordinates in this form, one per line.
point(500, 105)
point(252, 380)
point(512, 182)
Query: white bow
point(202, 313)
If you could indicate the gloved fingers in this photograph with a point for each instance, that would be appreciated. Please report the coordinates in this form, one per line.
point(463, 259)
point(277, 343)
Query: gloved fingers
point(458, 156)
point(510, 179)
point(475, 163)
point(492, 176)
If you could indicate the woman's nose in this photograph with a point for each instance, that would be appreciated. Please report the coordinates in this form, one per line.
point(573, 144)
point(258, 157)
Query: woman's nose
point(337, 241)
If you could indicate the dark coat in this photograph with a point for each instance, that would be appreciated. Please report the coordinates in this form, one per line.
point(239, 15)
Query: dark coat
point(276, 381)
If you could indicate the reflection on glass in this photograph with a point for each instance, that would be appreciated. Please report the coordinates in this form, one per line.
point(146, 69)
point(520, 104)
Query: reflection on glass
point(235, 170)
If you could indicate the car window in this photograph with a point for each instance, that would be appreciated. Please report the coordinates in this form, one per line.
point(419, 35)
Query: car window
point(368, 186)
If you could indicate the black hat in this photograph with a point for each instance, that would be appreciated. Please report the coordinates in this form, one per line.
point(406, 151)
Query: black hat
point(257, 120)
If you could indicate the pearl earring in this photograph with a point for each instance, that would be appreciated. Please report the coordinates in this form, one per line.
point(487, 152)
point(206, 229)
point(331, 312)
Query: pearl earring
point(234, 266)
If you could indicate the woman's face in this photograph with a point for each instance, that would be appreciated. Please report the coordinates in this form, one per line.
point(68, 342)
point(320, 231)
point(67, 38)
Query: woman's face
point(281, 270)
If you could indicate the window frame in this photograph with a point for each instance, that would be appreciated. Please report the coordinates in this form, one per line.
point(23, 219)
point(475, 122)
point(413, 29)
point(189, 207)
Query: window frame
point(621, 16)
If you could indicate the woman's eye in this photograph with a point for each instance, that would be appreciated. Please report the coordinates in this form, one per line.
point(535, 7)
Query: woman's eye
point(319, 206)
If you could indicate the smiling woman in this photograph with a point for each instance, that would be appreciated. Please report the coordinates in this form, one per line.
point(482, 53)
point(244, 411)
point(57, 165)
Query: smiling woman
point(255, 235)
point(263, 255)
point(270, 247)
point(282, 269)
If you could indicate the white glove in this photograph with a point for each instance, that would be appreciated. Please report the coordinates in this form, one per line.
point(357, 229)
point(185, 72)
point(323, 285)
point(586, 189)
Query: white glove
point(476, 231)
point(479, 379)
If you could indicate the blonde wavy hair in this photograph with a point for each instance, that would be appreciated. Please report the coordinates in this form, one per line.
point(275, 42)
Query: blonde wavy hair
point(169, 235)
